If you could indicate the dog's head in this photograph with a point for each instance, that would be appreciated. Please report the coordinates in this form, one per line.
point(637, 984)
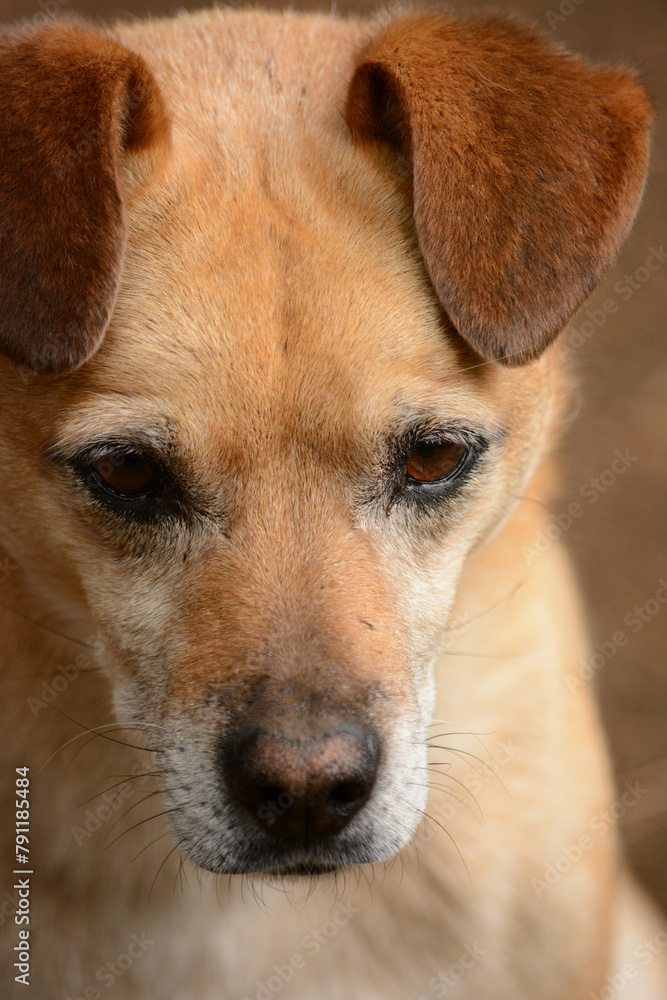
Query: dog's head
point(276, 360)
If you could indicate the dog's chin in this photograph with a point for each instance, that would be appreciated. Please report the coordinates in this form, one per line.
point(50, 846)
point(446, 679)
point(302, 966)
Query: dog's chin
point(290, 865)
point(264, 856)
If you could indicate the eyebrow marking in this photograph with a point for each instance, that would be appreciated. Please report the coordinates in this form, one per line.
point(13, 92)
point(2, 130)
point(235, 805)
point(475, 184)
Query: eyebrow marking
point(158, 438)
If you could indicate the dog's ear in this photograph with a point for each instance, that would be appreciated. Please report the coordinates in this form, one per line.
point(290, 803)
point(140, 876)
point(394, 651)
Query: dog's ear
point(76, 108)
point(526, 168)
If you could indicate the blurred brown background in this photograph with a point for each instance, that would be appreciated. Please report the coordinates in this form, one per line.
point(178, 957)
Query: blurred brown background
point(618, 541)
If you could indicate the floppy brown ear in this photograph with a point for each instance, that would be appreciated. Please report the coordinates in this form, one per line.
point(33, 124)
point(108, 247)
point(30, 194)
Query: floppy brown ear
point(527, 168)
point(74, 104)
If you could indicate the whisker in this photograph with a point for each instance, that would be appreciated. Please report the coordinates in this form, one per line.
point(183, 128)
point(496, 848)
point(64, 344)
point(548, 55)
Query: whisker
point(165, 812)
point(217, 891)
point(451, 777)
point(540, 503)
point(51, 673)
point(47, 628)
point(98, 732)
point(492, 607)
point(174, 848)
point(463, 732)
point(119, 819)
point(445, 788)
point(363, 872)
point(460, 732)
point(93, 736)
point(180, 875)
point(124, 779)
point(467, 753)
point(448, 834)
point(167, 833)
point(150, 795)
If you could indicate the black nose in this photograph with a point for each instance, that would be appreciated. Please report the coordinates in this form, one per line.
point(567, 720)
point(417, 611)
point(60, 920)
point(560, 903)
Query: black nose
point(302, 789)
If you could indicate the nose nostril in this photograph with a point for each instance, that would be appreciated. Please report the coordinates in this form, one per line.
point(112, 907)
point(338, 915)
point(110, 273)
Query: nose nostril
point(349, 793)
point(267, 797)
point(266, 794)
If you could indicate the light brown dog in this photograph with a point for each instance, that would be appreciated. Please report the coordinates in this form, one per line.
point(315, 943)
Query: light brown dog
point(277, 304)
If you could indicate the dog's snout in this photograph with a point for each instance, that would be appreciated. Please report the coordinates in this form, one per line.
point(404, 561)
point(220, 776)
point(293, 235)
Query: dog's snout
point(302, 789)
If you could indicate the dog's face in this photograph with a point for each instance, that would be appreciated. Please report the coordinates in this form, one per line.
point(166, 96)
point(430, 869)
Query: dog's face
point(261, 488)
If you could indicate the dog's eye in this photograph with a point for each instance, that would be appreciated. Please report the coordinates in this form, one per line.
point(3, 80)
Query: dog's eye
point(127, 474)
point(433, 461)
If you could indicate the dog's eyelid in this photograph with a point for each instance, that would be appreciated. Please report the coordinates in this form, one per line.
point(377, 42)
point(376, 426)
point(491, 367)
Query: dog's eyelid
point(430, 429)
point(438, 419)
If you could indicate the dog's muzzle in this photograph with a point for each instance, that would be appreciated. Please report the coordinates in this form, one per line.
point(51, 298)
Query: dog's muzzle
point(293, 781)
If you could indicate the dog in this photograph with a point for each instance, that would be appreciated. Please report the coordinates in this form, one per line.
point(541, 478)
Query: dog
point(281, 385)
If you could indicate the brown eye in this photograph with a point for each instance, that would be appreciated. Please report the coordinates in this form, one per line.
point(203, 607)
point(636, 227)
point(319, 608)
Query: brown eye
point(127, 474)
point(432, 461)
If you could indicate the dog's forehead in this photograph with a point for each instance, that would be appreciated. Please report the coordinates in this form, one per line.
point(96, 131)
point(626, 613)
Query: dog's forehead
point(272, 278)
point(273, 304)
